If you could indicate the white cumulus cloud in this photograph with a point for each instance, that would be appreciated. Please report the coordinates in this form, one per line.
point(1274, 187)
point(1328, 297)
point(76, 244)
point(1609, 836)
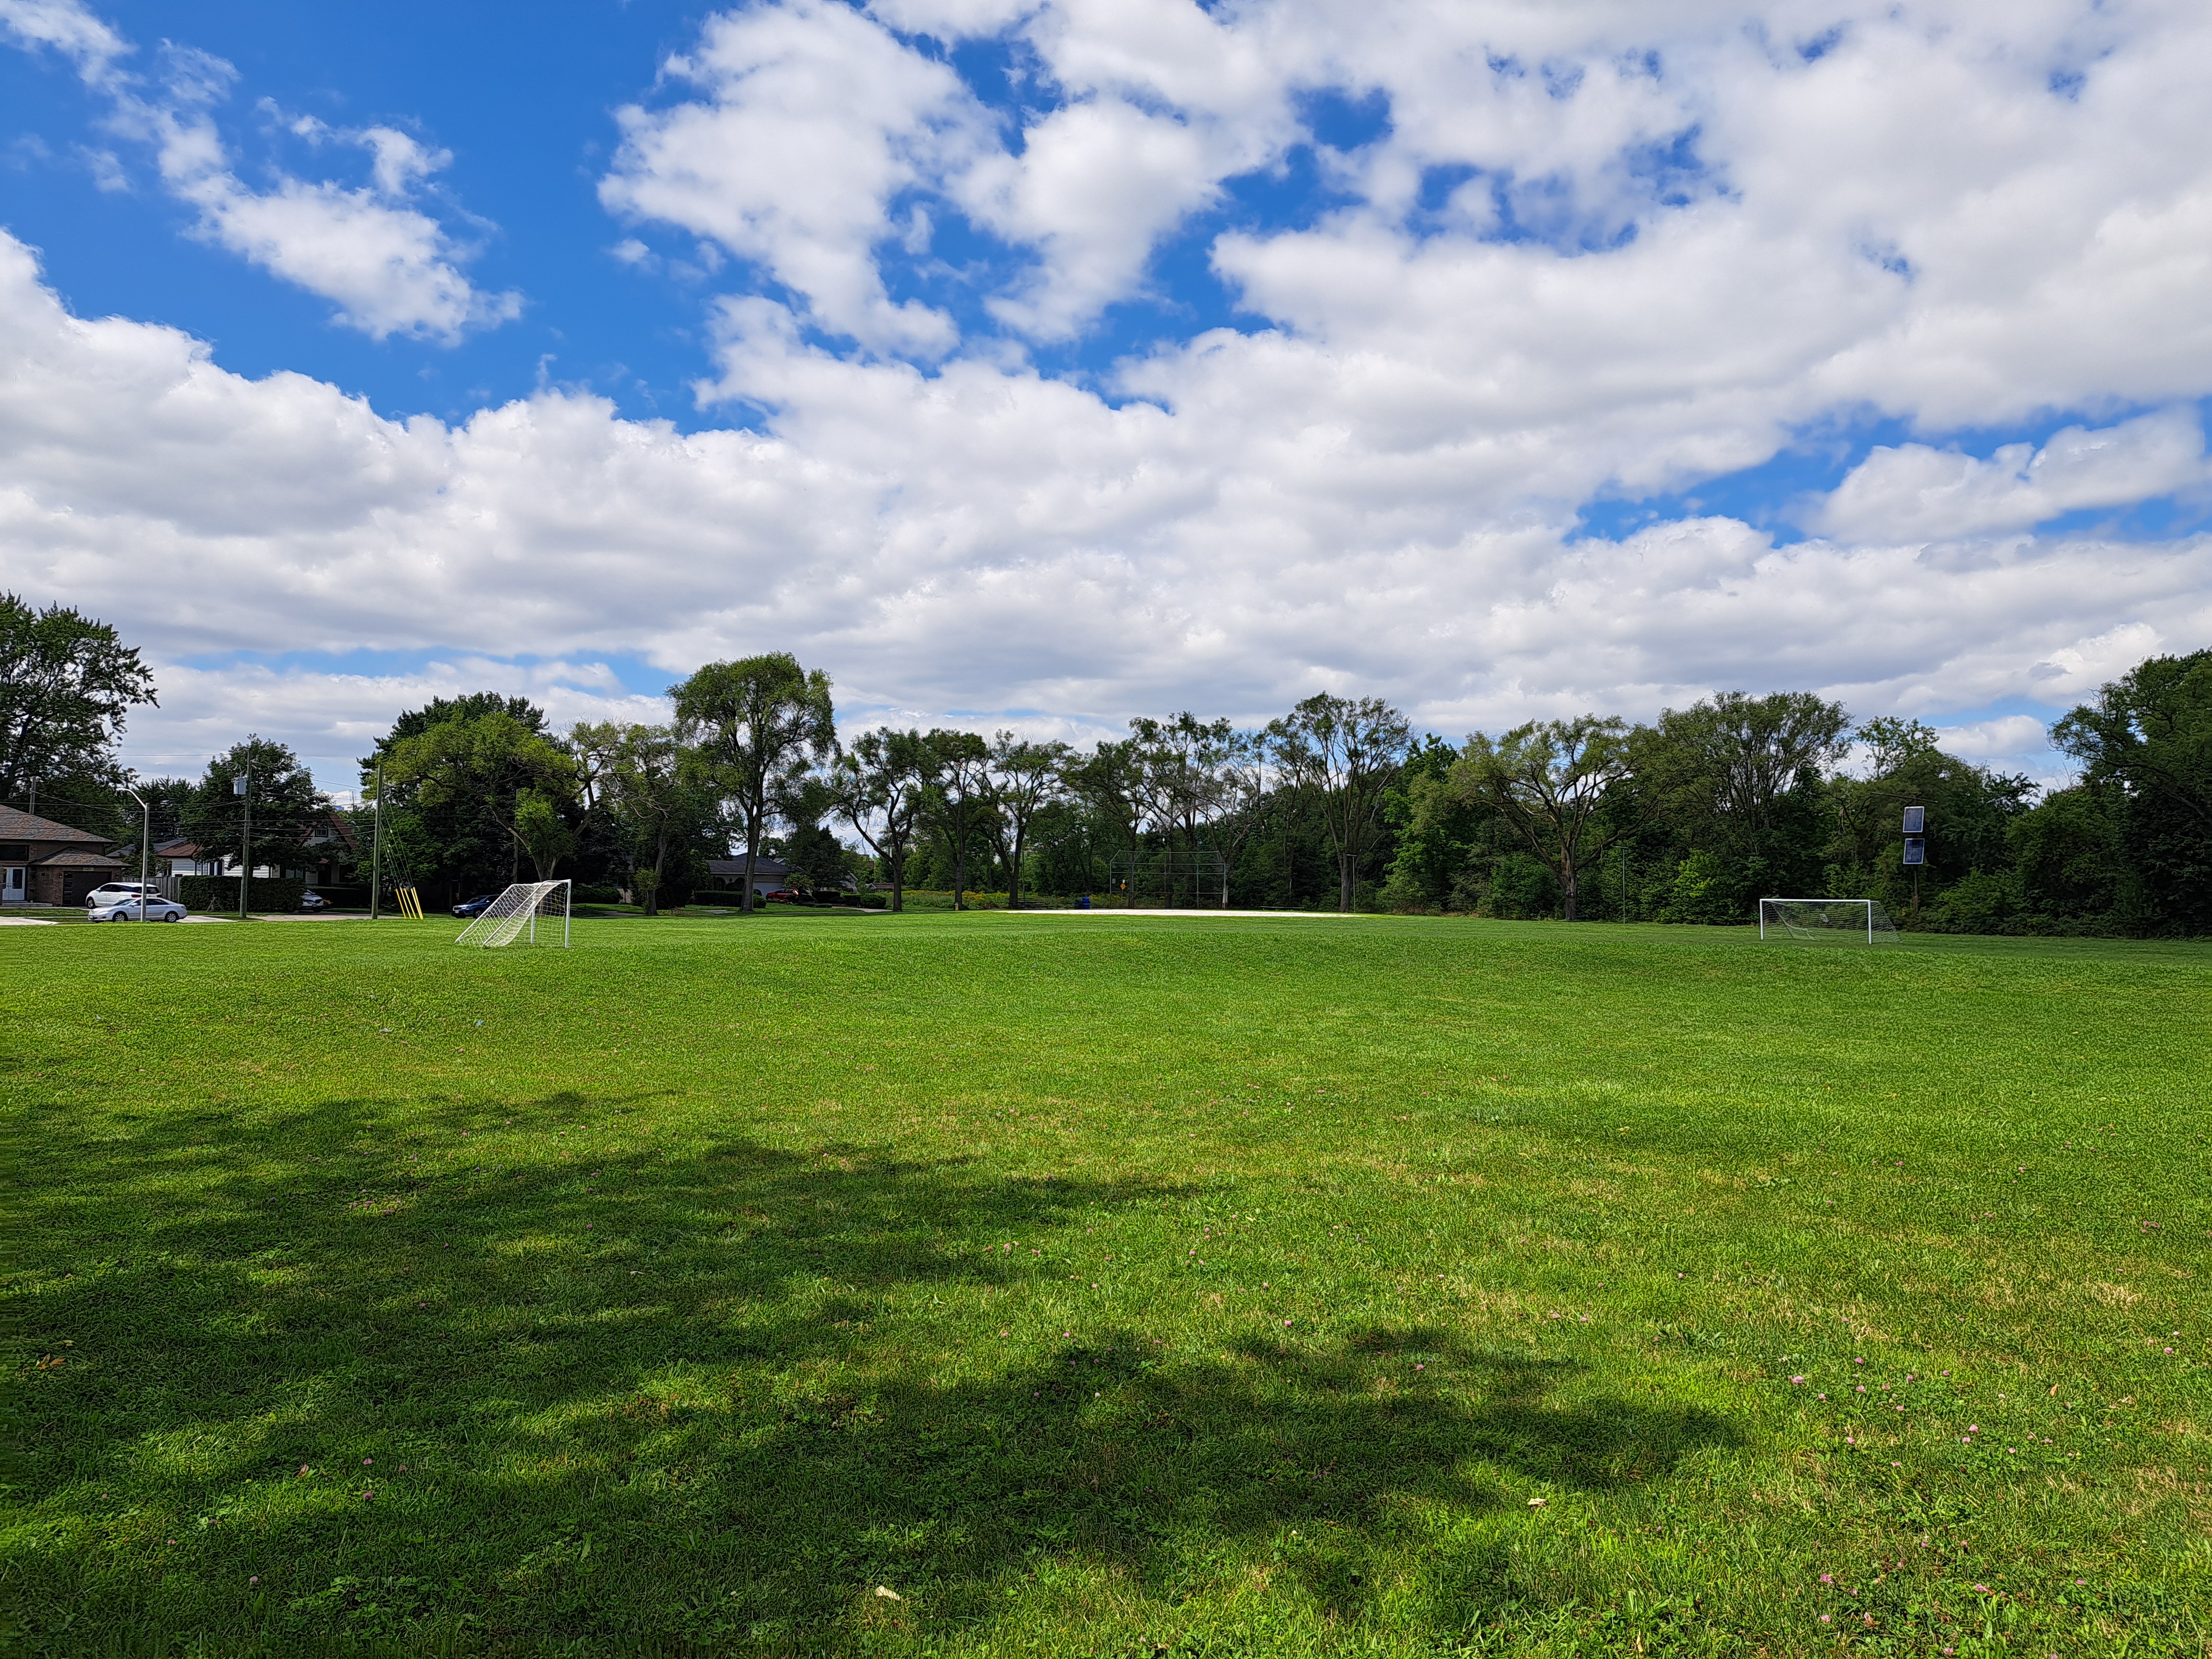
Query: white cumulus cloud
point(976, 538)
point(810, 120)
point(1583, 249)
point(1914, 492)
point(388, 266)
point(68, 28)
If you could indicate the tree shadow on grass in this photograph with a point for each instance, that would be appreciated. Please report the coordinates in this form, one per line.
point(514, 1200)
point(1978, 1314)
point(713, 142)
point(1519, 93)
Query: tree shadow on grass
point(673, 1404)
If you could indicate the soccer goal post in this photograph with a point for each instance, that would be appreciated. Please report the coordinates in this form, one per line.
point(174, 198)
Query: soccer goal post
point(1827, 920)
point(535, 912)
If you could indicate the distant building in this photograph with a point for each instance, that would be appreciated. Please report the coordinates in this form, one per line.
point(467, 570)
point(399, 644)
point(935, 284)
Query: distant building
point(42, 862)
point(769, 874)
point(320, 856)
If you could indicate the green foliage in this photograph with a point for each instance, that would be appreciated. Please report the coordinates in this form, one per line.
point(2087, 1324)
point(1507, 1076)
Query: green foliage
point(494, 778)
point(282, 804)
point(1556, 786)
point(546, 837)
point(264, 895)
point(2147, 737)
point(1343, 754)
point(881, 789)
point(1102, 1286)
point(66, 683)
point(749, 727)
point(1971, 811)
point(450, 829)
point(956, 803)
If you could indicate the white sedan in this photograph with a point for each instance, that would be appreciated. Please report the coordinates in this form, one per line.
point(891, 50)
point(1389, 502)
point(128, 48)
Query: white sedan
point(156, 908)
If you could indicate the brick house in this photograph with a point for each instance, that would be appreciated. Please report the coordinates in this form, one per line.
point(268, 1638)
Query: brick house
point(42, 862)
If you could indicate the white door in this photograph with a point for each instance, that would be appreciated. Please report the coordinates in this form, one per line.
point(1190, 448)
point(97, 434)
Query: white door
point(11, 885)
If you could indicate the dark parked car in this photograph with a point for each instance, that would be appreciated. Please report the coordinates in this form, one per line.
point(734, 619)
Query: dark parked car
point(475, 907)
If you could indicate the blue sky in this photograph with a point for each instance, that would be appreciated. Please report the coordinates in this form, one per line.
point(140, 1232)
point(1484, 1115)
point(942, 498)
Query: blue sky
point(1055, 361)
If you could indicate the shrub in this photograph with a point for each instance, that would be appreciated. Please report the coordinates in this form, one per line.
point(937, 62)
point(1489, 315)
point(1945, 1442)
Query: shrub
point(279, 894)
point(598, 896)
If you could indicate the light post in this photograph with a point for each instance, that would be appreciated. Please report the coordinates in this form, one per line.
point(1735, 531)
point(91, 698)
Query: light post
point(145, 836)
point(241, 785)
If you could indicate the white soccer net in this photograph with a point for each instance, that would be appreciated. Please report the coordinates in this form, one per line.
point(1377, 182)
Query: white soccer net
point(535, 912)
point(1826, 921)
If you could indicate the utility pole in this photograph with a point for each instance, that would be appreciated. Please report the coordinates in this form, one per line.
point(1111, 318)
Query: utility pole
point(242, 787)
point(376, 846)
point(145, 836)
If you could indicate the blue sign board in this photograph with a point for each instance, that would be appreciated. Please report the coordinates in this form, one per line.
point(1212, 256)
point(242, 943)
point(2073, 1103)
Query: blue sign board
point(1916, 819)
point(1916, 850)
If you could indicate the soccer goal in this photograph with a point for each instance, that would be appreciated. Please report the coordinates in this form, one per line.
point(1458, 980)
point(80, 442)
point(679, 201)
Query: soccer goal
point(1829, 922)
point(535, 912)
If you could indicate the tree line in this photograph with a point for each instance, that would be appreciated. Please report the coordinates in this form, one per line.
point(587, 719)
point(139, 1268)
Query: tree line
point(1338, 804)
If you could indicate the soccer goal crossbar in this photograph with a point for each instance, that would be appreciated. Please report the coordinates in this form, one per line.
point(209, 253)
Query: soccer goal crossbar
point(1817, 919)
point(531, 911)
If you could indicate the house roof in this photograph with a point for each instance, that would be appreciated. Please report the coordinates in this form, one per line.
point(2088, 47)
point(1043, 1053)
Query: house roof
point(77, 857)
point(763, 867)
point(22, 826)
point(179, 848)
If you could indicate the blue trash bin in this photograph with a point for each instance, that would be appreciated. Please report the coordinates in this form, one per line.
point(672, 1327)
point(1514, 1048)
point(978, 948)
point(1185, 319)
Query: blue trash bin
point(1082, 903)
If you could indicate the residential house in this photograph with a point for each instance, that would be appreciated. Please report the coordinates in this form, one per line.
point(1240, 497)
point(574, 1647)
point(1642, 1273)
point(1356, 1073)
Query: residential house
point(769, 874)
point(42, 862)
point(320, 856)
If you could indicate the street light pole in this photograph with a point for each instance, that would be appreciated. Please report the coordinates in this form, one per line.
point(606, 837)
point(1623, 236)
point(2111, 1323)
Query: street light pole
point(242, 787)
point(145, 836)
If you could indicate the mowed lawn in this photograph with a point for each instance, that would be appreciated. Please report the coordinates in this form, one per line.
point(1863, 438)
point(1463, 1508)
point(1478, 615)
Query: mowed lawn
point(1002, 1284)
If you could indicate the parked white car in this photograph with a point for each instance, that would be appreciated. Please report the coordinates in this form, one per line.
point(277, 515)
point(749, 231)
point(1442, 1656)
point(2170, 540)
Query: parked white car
point(126, 908)
point(114, 892)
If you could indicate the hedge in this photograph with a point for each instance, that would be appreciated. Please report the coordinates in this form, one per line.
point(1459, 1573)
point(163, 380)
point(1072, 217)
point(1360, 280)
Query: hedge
point(215, 894)
point(865, 900)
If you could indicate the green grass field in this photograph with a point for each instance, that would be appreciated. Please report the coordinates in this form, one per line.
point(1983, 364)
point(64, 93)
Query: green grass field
point(1021, 1285)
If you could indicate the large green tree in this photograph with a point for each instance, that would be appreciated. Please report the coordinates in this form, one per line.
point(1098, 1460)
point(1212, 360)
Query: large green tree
point(1741, 783)
point(433, 833)
point(1344, 753)
point(958, 799)
point(749, 726)
point(1555, 783)
point(495, 773)
point(66, 683)
point(282, 804)
point(1021, 779)
point(639, 787)
point(1970, 811)
point(1110, 781)
point(2148, 737)
point(879, 787)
